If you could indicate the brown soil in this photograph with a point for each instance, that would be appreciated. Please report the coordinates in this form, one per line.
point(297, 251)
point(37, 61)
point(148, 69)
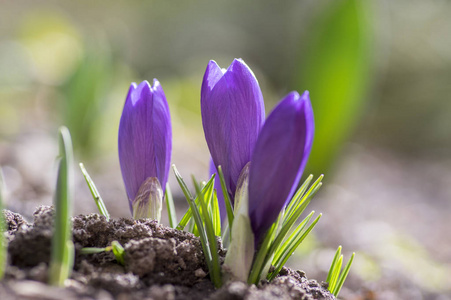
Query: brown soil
point(160, 263)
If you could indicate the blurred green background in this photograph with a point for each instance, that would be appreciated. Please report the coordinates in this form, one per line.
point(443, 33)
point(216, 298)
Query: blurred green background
point(379, 76)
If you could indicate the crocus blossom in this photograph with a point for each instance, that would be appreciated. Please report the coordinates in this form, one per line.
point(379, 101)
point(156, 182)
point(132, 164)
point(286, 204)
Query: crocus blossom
point(278, 160)
point(232, 117)
point(233, 113)
point(145, 144)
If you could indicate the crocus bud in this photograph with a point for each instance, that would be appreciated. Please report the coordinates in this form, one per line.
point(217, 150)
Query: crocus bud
point(278, 160)
point(232, 115)
point(145, 144)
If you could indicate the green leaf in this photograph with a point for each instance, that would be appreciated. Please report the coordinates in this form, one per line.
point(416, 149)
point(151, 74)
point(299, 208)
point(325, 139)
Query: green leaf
point(61, 260)
point(185, 219)
point(260, 258)
point(215, 271)
point(277, 233)
point(286, 244)
point(216, 215)
point(182, 183)
point(207, 193)
point(95, 193)
point(118, 252)
point(335, 66)
point(92, 250)
point(335, 273)
point(208, 187)
point(332, 265)
point(293, 243)
point(172, 214)
point(301, 200)
point(298, 196)
point(228, 203)
point(202, 233)
point(343, 276)
point(115, 247)
point(294, 217)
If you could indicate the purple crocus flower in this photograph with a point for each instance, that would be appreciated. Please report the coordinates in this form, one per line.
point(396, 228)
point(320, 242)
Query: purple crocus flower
point(278, 160)
point(233, 113)
point(145, 144)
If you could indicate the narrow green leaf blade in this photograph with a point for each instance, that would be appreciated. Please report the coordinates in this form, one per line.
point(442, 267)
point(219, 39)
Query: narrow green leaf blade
point(216, 215)
point(172, 214)
point(335, 273)
point(118, 252)
point(228, 202)
point(298, 195)
point(291, 238)
point(293, 245)
point(92, 250)
point(95, 193)
point(288, 224)
point(215, 272)
point(301, 203)
point(202, 233)
point(343, 276)
point(182, 183)
point(185, 219)
point(62, 247)
point(260, 258)
point(187, 216)
point(332, 265)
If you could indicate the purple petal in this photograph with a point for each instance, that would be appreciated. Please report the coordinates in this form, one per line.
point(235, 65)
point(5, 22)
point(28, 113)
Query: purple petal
point(279, 159)
point(232, 115)
point(145, 137)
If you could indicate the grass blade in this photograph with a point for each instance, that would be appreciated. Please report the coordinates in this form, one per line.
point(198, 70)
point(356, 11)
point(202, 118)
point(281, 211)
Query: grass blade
point(115, 247)
point(263, 260)
point(336, 273)
point(95, 193)
point(216, 215)
point(172, 214)
point(185, 219)
point(228, 202)
point(286, 244)
point(262, 253)
point(118, 252)
point(182, 183)
point(298, 195)
point(92, 250)
point(202, 233)
point(215, 272)
point(292, 219)
point(3, 245)
point(301, 203)
point(343, 276)
point(297, 239)
point(332, 265)
point(61, 260)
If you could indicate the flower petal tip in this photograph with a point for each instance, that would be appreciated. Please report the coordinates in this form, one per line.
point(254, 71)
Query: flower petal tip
point(155, 83)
